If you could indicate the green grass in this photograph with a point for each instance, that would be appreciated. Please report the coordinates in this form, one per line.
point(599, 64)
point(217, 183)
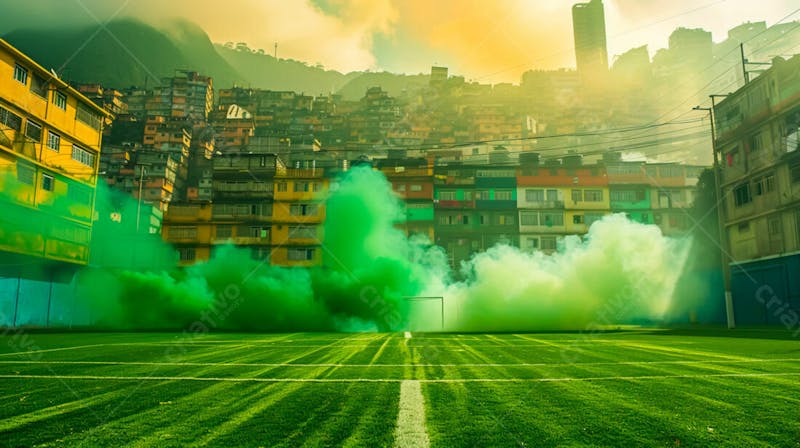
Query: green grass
point(628, 388)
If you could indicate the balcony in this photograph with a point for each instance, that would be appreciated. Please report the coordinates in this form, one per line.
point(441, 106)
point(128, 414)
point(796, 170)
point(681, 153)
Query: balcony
point(454, 204)
point(558, 205)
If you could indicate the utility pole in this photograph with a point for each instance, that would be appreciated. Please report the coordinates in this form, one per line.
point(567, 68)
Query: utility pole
point(275, 51)
point(744, 69)
point(723, 234)
point(139, 205)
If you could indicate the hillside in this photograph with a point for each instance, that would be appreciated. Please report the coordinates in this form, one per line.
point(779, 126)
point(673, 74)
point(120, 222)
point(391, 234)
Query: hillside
point(133, 53)
point(128, 53)
point(264, 71)
point(393, 83)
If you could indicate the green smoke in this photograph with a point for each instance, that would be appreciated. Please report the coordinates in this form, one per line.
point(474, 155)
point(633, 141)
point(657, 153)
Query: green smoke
point(369, 268)
point(620, 272)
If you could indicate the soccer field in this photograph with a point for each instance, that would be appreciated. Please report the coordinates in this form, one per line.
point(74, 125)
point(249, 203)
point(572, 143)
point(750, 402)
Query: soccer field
point(626, 388)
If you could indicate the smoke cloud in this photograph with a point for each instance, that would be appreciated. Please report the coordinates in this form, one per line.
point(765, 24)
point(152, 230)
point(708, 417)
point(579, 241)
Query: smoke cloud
point(621, 272)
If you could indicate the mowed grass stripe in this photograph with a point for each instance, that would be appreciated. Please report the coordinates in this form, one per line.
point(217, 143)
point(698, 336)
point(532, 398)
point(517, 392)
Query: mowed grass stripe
point(179, 420)
point(397, 380)
point(377, 354)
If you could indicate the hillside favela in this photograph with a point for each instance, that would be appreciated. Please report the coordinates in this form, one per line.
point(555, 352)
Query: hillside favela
point(400, 223)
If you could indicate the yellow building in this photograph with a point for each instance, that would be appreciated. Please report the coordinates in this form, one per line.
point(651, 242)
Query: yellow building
point(298, 214)
point(50, 136)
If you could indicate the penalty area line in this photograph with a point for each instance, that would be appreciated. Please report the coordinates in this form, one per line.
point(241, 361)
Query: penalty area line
point(397, 380)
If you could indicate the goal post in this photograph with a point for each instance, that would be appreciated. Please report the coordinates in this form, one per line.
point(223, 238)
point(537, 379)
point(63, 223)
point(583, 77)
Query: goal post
point(428, 298)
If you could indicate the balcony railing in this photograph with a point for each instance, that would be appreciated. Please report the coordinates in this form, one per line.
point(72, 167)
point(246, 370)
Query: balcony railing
point(542, 204)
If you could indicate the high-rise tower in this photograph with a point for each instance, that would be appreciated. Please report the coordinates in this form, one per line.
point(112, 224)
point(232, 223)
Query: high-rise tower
point(589, 27)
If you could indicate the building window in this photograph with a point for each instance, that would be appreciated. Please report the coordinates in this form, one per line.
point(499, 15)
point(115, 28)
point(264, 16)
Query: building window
point(400, 188)
point(25, 173)
point(482, 195)
point(447, 195)
point(769, 183)
point(447, 220)
point(552, 219)
point(794, 171)
point(83, 156)
point(593, 195)
point(764, 185)
point(577, 195)
point(534, 195)
point(86, 116)
point(415, 187)
point(10, 119)
point(756, 142)
point(304, 210)
point(33, 131)
point(529, 218)
point(60, 100)
point(743, 227)
point(503, 195)
point(53, 141)
point(39, 86)
point(302, 232)
point(741, 195)
point(548, 243)
point(259, 232)
point(671, 171)
point(505, 220)
point(282, 186)
point(300, 254)
point(48, 182)
point(775, 226)
point(577, 219)
point(187, 253)
point(21, 74)
point(223, 231)
point(183, 232)
point(628, 195)
point(301, 187)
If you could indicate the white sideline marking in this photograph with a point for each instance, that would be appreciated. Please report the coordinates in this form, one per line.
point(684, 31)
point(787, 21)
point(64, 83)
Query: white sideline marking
point(407, 334)
point(396, 380)
point(410, 431)
point(30, 352)
point(288, 364)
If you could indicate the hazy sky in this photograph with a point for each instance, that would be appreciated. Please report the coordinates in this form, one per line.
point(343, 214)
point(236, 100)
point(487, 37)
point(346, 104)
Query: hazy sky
point(486, 40)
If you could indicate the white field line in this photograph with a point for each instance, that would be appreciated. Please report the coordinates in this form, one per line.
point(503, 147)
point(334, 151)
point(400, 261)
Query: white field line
point(410, 431)
point(30, 352)
point(286, 364)
point(398, 380)
point(407, 334)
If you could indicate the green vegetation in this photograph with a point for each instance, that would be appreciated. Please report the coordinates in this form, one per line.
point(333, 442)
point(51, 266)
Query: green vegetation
point(625, 388)
point(123, 54)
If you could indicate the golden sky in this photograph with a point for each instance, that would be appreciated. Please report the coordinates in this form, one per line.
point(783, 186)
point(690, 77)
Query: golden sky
point(486, 40)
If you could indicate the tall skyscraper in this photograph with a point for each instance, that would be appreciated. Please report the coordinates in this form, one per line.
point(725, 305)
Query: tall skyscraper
point(589, 27)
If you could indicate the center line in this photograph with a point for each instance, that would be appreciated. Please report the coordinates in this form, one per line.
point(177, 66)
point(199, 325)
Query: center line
point(410, 431)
